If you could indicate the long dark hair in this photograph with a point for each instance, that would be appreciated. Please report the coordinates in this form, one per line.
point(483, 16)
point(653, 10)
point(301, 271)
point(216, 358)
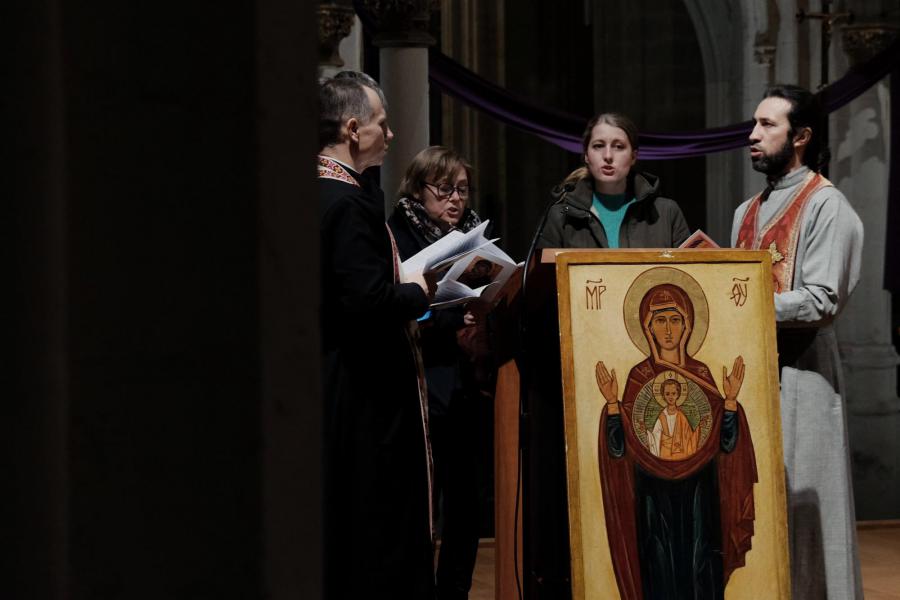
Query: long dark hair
point(612, 119)
point(806, 111)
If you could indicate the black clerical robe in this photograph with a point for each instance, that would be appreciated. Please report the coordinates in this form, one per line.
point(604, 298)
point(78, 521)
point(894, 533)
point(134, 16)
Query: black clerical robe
point(377, 527)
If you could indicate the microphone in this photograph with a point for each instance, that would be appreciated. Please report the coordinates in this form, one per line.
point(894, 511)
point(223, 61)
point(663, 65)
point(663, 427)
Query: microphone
point(563, 191)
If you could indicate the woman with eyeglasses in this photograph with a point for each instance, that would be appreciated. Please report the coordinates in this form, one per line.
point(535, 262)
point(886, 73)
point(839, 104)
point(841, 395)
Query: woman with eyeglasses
point(608, 203)
point(432, 201)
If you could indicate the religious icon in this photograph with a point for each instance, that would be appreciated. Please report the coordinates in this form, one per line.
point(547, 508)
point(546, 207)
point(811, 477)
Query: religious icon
point(685, 532)
point(669, 494)
point(480, 271)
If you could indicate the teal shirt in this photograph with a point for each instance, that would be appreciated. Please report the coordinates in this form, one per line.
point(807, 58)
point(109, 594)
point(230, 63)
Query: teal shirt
point(611, 212)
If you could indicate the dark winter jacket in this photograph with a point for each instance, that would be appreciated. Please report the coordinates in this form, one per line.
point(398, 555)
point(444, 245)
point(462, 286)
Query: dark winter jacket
point(440, 351)
point(650, 222)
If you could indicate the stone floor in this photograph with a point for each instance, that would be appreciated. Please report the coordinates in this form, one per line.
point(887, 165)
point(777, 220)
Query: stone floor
point(879, 553)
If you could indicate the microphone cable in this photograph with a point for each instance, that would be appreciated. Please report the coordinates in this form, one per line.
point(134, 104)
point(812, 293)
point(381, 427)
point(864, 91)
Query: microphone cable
point(524, 383)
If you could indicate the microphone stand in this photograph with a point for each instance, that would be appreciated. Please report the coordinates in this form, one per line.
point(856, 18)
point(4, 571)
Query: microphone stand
point(524, 379)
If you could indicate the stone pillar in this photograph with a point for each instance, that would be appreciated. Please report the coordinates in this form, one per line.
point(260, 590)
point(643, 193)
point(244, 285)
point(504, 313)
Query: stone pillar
point(162, 408)
point(860, 147)
point(339, 31)
point(474, 33)
point(288, 295)
point(738, 61)
point(35, 384)
point(766, 52)
point(404, 40)
point(351, 47)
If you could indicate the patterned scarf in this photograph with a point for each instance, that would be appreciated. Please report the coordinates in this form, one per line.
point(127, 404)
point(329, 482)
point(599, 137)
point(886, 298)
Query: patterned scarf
point(418, 217)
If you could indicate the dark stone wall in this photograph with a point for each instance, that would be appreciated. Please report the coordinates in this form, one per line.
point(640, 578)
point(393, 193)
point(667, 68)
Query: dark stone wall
point(549, 61)
point(649, 67)
point(638, 57)
point(165, 400)
point(162, 280)
point(34, 381)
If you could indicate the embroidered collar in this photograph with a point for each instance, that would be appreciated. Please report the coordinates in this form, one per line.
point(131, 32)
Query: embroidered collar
point(328, 168)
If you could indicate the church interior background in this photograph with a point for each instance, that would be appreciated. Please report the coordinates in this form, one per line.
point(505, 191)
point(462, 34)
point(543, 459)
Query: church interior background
point(162, 404)
point(674, 66)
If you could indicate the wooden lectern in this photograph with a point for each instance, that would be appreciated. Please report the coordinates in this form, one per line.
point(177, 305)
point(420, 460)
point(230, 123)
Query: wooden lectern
point(723, 298)
point(531, 528)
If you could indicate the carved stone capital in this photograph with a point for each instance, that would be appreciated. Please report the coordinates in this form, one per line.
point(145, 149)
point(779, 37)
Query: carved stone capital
point(335, 23)
point(401, 23)
point(862, 41)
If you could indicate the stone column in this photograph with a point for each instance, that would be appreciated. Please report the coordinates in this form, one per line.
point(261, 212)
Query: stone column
point(351, 47)
point(291, 442)
point(35, 425)
point(738, 61)
point(404, 40)
point(337, 24)
point(860, 145)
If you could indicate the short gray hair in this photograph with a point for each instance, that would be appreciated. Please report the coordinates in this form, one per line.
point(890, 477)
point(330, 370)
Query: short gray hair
point(344, 97)
point(339, 100)
point(366, 80)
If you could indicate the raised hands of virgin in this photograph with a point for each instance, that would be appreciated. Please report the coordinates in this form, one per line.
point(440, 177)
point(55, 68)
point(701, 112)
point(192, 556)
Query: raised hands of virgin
point(607, 383)
point(731, 382)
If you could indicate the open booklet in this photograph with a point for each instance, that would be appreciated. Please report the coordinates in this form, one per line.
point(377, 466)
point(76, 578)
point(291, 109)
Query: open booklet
point(446, 250)
point(472, 266)
point(698, 239)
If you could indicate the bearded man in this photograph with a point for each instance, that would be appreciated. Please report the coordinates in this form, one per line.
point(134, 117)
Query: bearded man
point(815, 239)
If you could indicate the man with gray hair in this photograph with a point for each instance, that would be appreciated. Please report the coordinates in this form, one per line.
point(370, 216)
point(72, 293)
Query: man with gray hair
point(378, 530)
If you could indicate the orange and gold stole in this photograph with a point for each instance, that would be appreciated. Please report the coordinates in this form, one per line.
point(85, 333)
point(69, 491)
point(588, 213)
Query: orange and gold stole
point(780, 235)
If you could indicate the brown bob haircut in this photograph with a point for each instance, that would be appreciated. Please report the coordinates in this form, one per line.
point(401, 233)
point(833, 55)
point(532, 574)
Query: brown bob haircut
point(432, 165)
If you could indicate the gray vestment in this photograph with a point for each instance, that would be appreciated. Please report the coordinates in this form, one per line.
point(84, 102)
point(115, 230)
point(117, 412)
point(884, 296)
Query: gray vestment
point(821, 519)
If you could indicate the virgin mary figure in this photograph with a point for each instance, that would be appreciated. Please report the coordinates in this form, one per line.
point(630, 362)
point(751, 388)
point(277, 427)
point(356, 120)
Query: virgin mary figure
point(676, 472)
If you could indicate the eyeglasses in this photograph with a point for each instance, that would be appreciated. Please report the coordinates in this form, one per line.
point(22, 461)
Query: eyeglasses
point(445, 190)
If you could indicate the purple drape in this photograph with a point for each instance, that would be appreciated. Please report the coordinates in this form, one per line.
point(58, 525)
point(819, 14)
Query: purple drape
point(565, 130)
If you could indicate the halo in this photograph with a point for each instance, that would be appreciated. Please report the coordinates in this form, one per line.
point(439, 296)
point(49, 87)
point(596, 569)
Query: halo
point(655, 276)
point(662, 378)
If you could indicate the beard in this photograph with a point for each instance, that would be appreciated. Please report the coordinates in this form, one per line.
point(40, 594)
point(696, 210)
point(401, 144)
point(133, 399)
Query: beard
point(774, 165)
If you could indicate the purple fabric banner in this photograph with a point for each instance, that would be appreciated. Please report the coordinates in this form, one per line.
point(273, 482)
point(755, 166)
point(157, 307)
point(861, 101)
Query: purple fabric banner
point(564, 130)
